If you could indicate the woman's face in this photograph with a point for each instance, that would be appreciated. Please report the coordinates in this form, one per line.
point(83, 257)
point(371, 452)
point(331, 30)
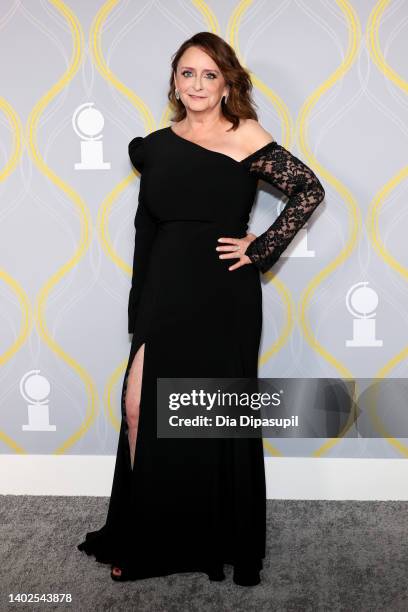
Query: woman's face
point(198, 75)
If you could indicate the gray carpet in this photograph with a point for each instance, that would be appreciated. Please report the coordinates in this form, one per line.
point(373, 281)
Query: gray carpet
point(321, 556)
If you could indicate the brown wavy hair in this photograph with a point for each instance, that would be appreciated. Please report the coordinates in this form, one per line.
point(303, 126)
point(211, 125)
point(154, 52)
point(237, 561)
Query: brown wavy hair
point(240, 104)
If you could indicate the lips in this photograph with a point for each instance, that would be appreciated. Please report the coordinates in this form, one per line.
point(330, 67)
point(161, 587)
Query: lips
point(197, 97)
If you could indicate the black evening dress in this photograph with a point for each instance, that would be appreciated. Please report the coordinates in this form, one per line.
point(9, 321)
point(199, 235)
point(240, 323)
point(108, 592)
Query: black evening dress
point(193, 505)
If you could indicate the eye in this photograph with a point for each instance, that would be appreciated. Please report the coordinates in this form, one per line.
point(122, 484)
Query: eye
point(212, 75)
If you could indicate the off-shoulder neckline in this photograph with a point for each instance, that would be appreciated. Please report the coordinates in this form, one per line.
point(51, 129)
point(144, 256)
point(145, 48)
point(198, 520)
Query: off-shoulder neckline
point(235, 161)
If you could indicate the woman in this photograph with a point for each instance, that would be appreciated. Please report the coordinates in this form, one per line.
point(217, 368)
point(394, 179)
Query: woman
point(195, 310)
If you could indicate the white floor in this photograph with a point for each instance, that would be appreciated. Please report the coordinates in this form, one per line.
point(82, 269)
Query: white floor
point(286, 477)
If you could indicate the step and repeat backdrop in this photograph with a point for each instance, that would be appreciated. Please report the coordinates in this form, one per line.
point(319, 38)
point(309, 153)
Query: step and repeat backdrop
point(79, 81)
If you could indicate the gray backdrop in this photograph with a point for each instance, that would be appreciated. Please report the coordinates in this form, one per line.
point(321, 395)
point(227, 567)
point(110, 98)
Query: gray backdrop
point(330, 82)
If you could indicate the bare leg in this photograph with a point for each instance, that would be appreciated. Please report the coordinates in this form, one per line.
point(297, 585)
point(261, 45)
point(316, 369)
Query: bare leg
point(132, 404)
point(132, 399)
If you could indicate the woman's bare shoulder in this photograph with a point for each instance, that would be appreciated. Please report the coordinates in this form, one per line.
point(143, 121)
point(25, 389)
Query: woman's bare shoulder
point(254, 135)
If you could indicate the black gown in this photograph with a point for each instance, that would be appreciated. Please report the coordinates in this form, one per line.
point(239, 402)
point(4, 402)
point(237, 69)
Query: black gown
point(193, 505)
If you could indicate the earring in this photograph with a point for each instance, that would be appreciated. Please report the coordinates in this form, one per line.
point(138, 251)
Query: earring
point(225, 99)
point(176, 93)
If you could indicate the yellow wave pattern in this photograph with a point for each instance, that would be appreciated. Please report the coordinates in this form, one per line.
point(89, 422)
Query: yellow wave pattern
point(354, 37)
point(208, 16)
point(377, 56)
point(84, 216)
point(13, 284)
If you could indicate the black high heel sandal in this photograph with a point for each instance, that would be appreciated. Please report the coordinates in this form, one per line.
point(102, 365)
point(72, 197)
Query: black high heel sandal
point(245, 576)
point(124, 575)
point(215, 571)
point(216, 575)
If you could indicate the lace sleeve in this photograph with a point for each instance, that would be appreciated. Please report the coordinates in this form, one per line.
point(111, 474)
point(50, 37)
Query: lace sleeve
point(277, 166)
point(146, 227)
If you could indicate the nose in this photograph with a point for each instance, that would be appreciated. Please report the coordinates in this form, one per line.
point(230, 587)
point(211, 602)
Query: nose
point(197, 83)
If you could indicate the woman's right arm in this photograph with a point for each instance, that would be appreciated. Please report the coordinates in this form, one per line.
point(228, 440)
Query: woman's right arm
point(145, 227)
